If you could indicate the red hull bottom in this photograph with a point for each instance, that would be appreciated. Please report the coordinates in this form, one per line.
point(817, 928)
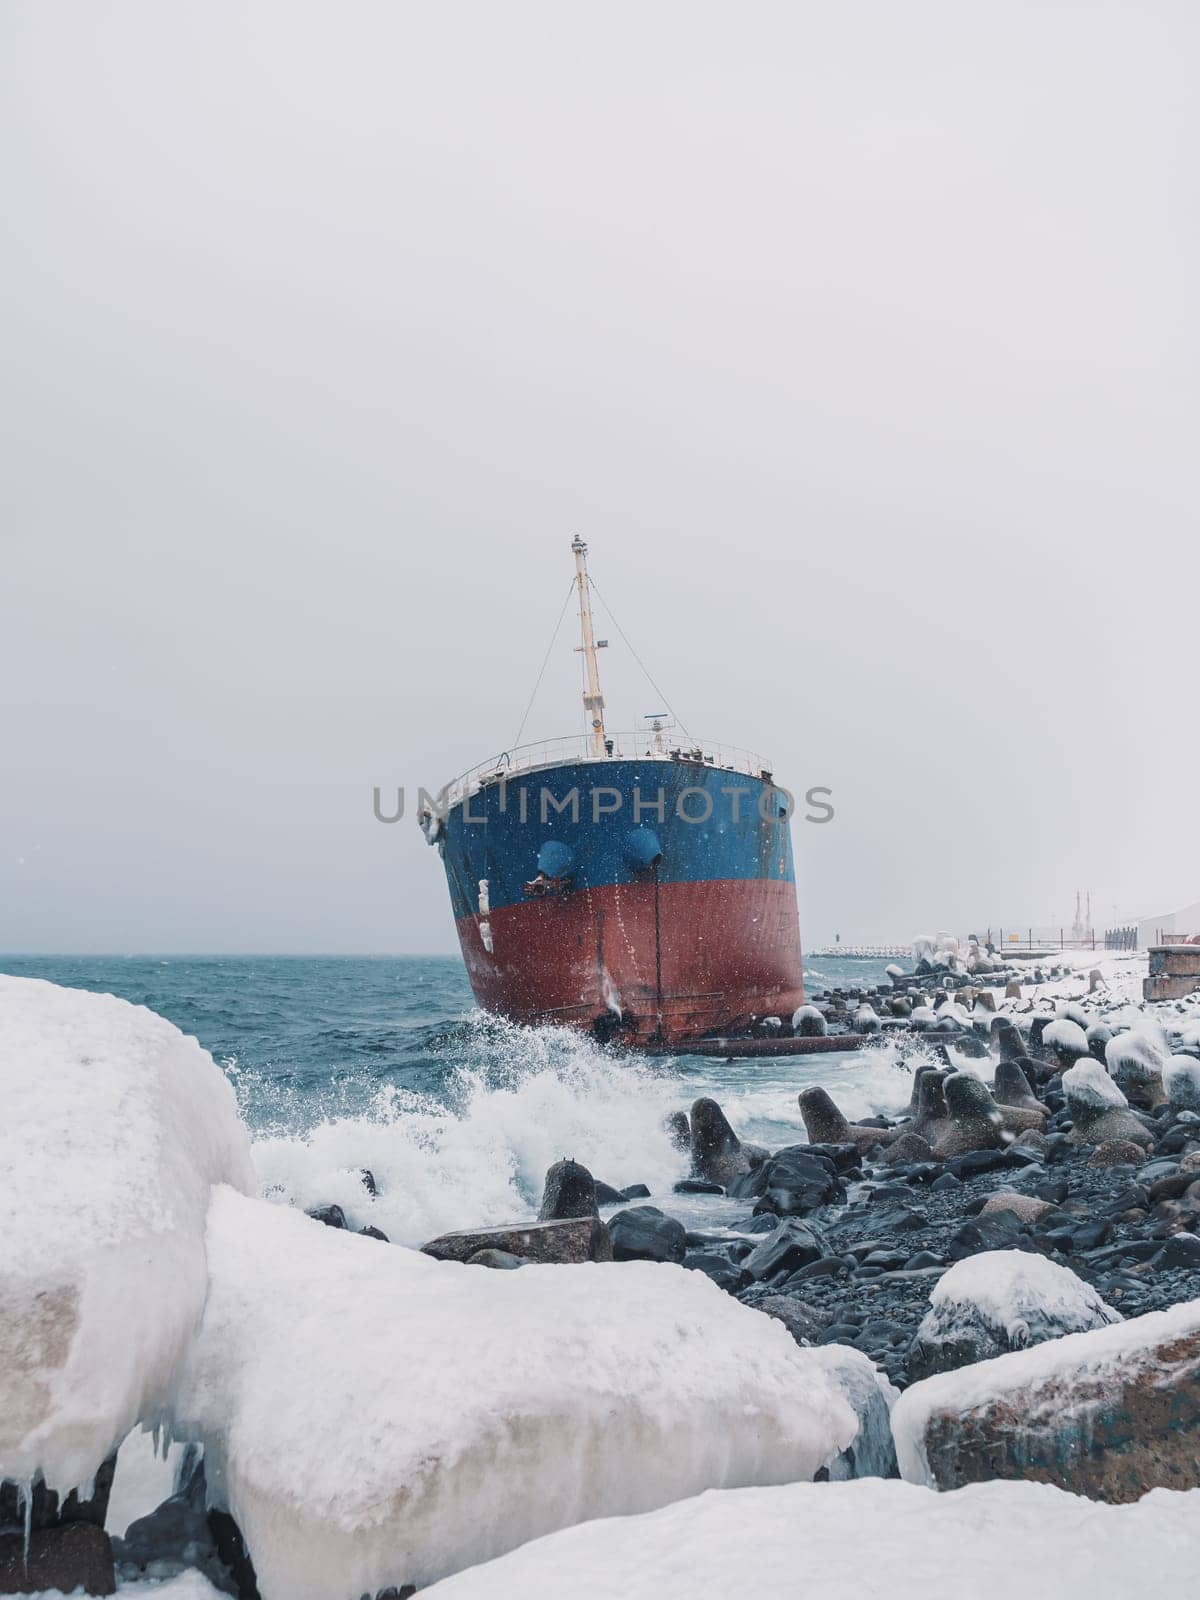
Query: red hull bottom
point(678, 960)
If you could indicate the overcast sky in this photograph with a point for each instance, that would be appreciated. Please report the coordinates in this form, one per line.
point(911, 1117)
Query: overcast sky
point(858, 339)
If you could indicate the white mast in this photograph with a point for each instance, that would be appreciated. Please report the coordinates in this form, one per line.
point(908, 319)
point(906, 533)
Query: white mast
point(593, 700)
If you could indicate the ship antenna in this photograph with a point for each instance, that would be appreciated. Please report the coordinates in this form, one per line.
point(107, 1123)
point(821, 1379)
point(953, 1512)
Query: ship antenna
point(593, 700)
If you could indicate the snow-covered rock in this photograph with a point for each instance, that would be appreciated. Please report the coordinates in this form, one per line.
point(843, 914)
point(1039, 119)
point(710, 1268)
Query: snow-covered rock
point(1181, 1081)
point(1109, 1414)
point(114, 1127)
point(1098, 1109)
point(808, 1022)
point(374, 1417)
point(872, 1539)
point(1066, 1038)
point(1135, 1062)
point(1002, 1300)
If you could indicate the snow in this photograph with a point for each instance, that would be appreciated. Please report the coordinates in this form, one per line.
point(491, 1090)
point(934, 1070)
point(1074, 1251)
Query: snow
point(1066, 1034)
point(145, 1477)
point(1089, 1084)
point(374, 1417)
point(1103, 1355)
point(115, 1126)
point(187, 1586)
point(1028, 1296)
point(873, 1539)
point(1140, 1054)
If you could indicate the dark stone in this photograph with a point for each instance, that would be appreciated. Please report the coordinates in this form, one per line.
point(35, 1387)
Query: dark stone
point(946, 1184)
point(823, 1267)
point(805, 1325)
point(635, 1191)
point(922, 1259)
point(717, 1153)
point(368, 1181)
point(1180, 1250)
point(886, 1260)
point(606, 1195)
point(374, 1233)
point(46, 1511)
point(796, 1182)
point(576, 1239)
point(726, 1274)
point(697, 1186)
point(570, 1191)
point(764, 1222)
point(235, 1557)
point(331, 1216)
point(71, 1556)
point(999, 1230)
point(501, 1260)
point(643, 1233)
point(972, 1162)
point(792, 1245)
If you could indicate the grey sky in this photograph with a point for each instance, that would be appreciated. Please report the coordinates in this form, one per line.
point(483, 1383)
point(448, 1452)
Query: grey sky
point(859, 340)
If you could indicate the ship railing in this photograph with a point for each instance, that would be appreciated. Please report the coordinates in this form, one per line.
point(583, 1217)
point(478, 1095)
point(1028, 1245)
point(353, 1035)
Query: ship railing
point(635, 744)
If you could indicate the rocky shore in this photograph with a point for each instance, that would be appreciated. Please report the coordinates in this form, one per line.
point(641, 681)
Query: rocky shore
point(998, 1290)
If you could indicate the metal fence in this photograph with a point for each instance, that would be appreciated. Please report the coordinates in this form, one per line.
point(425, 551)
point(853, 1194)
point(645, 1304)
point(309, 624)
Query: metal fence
point(1121, 938)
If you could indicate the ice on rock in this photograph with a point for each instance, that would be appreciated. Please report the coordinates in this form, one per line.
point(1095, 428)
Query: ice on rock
point(1089, 1084)
point(1066, 1034)
point(1071, 1011)
point(1135, 1057)
point(874, 1539)
point(1181, 1080)
point(114, 1128)
point(872, 1452)
point(1002, 1300)
point(374, 1417)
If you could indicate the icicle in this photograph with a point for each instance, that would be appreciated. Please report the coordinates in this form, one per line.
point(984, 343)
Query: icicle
point(25, 1503)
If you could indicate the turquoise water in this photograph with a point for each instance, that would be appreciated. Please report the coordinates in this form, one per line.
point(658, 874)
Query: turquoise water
point(344, 1062)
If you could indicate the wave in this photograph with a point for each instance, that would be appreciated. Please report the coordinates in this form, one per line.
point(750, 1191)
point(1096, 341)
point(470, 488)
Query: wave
point(514, 1101)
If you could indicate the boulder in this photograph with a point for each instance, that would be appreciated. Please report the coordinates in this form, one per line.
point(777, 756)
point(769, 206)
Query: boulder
point(1012, 1088)
point(974, 1119)
point(1108, 1414)
point(70, 1557)
point(1135, 1062)
point(717, 1154)
point(809, 1023)
point(644, 1233)
point(570, 1191)
point(1067, 1040)
point(573, 1240)
point(1099, 1111)
point(1027, 1208)
point(1003, 1300)
point(999, 1230)
point(1181, 1080)
point(791, 1245)
point(907, 1150)
point(1116, 1153)
point(825, 1124)
point(796, 1181)
point(805, 1323)
point(331, 1215)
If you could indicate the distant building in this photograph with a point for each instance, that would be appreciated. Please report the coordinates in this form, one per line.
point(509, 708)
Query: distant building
point(1170, 925)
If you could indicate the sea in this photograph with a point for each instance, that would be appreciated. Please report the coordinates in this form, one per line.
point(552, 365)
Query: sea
point(342, 1064)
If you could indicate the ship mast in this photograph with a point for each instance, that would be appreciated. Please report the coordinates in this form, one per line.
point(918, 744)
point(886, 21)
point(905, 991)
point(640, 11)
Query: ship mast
point(593, 700)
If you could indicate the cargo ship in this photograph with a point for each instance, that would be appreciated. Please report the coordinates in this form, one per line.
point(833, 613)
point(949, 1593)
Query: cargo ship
point(636, 885)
